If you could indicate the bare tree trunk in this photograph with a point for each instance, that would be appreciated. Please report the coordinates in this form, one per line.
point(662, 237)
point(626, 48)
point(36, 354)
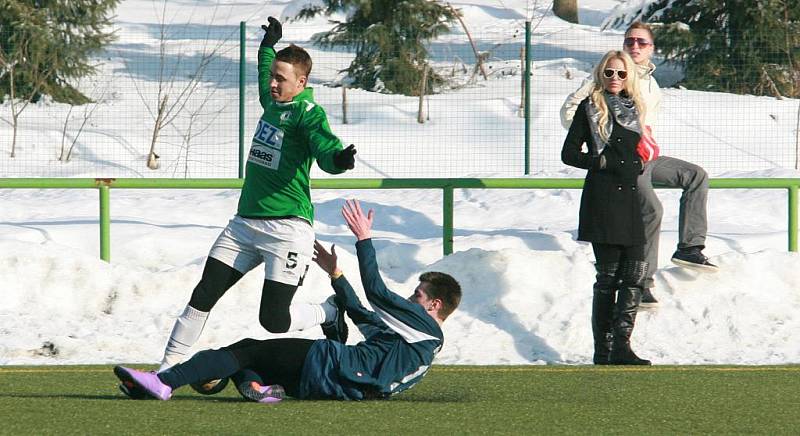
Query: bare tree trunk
point(187, 144)
point(14, 114)
point(64, 134)
point(14, 117)
point(344, 104)
point(567, 10)
point(152, 157)
point(78, 134)
point(420, 116)
point(478, 57)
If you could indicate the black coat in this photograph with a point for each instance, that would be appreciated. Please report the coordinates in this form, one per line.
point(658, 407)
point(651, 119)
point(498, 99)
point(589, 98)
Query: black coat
point(610, 210)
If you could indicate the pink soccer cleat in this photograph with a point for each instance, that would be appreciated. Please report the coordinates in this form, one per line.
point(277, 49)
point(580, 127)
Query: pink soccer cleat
point(145, 381)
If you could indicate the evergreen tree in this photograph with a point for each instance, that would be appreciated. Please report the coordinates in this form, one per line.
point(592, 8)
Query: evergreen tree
point(740, 46)
point(48, 42)
point(388, 37)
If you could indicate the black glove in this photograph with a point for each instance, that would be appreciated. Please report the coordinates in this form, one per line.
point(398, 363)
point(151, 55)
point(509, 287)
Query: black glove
point(273, 32)
point(345, 159)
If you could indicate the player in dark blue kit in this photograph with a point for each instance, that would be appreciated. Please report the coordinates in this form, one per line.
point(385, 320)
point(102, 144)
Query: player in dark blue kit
point(402, 338)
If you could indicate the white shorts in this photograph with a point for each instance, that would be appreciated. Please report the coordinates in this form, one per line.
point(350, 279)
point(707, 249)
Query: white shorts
point(284, 245)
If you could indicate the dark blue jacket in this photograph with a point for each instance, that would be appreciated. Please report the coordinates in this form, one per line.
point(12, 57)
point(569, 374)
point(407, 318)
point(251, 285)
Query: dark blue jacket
point(401, 341)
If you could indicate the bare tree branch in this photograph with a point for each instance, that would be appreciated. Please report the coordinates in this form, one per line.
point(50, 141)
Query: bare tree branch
point(174, 93)
point(88, 111)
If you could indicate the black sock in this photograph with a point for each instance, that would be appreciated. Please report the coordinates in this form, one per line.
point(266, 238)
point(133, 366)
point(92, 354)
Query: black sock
point(203, 366)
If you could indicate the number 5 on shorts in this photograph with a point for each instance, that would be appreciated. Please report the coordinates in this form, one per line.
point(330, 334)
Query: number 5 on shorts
point(291, 260)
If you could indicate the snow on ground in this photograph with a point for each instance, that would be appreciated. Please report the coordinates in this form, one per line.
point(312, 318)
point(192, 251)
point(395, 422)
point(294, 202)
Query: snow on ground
point(527, 282)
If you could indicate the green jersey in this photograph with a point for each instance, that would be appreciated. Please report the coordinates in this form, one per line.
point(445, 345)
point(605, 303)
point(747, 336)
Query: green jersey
point(289, 137)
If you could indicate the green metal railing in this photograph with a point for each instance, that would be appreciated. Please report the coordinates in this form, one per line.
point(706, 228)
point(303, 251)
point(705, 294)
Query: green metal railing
point(446, 185)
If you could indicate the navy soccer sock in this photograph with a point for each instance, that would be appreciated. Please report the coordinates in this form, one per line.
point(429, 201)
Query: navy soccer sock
point(203, 366)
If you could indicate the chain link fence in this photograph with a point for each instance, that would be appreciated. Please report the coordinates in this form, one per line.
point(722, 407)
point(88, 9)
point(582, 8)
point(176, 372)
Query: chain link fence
point(165, 103)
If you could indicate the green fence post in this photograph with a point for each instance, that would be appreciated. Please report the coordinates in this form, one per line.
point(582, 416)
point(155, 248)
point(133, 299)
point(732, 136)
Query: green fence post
point(105, 223)
point(793, 218)
point(242, 80)
point(447, 218)
point(527, 73)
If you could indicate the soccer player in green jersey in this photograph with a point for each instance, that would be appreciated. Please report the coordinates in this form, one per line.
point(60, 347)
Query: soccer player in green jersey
point(274, 222)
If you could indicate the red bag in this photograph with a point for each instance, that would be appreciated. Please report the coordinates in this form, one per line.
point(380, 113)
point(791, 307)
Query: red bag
point(647, 148)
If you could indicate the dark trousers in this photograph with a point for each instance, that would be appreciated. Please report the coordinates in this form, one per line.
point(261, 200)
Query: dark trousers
point(612, 253)
point(277, 361)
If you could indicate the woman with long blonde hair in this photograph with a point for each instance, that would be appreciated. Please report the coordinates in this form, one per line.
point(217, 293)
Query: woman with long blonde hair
point(666, 171)
point(609, 123)
point(630, 88)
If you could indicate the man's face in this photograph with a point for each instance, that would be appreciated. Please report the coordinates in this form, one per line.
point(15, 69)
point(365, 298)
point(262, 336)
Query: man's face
point(639, 45)
point(420, 296)
point(285, 83)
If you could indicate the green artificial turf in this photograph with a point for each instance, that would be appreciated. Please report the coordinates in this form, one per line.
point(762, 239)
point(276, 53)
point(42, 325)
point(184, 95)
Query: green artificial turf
point(450, 400)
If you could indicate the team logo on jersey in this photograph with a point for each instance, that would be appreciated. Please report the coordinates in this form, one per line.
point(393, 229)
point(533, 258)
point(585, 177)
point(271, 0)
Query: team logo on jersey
point(285, 116)
point(265, 150)
point(269, 135)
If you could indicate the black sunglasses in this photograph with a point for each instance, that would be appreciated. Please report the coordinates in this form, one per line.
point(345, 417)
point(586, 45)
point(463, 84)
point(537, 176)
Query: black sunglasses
point(610, 72)
point(631, 41)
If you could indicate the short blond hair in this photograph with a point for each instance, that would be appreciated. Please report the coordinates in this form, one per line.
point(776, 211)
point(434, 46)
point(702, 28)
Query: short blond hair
point(642, 26)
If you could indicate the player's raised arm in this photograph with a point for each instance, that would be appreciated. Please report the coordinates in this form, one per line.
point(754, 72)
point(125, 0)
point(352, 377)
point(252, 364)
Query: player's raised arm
point(266, 54)
point(357, 312)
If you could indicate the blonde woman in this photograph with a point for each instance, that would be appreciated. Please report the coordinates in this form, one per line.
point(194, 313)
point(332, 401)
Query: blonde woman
point(659, 169)
point(609, 122)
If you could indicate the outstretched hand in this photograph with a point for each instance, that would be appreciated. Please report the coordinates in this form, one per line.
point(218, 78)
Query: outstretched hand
point(360, 224)
point(325, 260)
point(273, 32)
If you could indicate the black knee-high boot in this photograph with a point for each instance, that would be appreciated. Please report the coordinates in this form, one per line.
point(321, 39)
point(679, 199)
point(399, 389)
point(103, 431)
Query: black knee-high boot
point(603, 310)
point(631, 275)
